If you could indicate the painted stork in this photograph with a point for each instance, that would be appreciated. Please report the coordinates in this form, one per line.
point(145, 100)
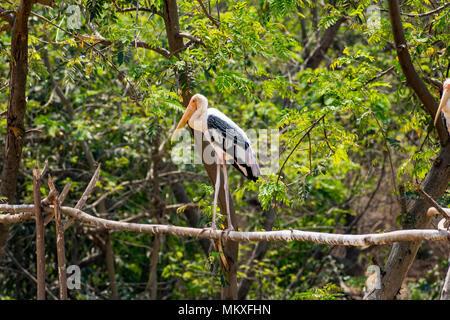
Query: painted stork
point(444, 106)
point(229, 141)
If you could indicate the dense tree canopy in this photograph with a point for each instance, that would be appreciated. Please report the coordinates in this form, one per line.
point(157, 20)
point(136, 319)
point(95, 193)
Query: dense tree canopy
point(107, 82)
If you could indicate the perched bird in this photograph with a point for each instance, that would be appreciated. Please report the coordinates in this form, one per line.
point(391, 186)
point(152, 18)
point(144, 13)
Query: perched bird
point(444, 106)
point(230, 143)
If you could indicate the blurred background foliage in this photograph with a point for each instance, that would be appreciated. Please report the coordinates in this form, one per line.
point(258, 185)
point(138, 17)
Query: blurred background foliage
point(369, 151)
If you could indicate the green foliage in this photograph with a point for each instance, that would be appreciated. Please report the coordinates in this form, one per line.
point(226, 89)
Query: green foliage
point(126, 102)
point(428, 287)
point(270, 190)
point(327, 292)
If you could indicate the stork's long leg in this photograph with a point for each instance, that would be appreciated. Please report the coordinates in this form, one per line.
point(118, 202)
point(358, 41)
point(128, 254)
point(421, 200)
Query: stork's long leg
point(225, 188)
point(216, 194)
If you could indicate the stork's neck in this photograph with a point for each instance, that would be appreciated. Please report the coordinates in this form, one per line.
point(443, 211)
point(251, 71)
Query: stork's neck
point(446, 109)
point(197, 120)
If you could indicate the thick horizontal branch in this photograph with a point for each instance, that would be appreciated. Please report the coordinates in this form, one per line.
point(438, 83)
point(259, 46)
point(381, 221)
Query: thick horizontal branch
point(281, 235)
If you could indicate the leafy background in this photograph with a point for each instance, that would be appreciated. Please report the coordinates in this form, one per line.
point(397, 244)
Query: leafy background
point(373, 146)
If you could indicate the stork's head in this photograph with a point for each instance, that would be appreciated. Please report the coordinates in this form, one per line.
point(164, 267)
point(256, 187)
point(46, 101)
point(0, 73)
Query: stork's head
point(444, 99)
point(198, 103)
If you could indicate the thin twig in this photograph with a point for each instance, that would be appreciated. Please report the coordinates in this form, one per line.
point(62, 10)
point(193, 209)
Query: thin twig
point(298, 143)
point(40, 244)
point(27, 273)
point(64, 193)
point(425, 14)
point(61, 199)
point(80, 204)
point(205, 11)
point(310, 154)
point(390, 163)
point(326, 137)
point(44, 169)
point(432, 202)
point(49, 199)
point(379, 75)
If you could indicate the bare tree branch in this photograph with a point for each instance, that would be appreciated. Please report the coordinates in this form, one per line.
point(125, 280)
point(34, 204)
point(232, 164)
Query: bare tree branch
point(433, 203)
point(28, 274)
point(191, 37)
point(424, 14)
point(318, 53)
point(80, 204)
point(410, 235)
point(60, 243)
point(40, 243)
point(413, 79)
point(205, 11)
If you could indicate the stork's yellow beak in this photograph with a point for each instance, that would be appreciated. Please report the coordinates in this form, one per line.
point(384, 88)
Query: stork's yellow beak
point(186, 116)
point(445, 96)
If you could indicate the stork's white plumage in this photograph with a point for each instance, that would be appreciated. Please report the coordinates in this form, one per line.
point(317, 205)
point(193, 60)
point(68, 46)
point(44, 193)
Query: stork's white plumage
point(444, 106)
point(230, 143)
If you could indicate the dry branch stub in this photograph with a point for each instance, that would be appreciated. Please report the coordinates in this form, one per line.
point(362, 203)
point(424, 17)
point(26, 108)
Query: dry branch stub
point(60, 243)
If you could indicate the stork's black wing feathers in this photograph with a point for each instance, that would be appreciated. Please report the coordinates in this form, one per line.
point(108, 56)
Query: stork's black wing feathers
point(215, 123)
point(227, 137)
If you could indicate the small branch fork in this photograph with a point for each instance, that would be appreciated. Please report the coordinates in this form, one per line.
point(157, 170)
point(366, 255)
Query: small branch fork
point(435, 209)
point(53, 202)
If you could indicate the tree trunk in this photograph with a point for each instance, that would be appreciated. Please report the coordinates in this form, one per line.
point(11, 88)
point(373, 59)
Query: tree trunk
point(325, 42)
point(16, 110)
point(436, 182)
point(403, 253)
point(231, 248)
point(109, 255)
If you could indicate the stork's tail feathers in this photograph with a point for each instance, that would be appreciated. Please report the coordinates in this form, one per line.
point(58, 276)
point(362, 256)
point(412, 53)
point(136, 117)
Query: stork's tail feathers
point(255, 171)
